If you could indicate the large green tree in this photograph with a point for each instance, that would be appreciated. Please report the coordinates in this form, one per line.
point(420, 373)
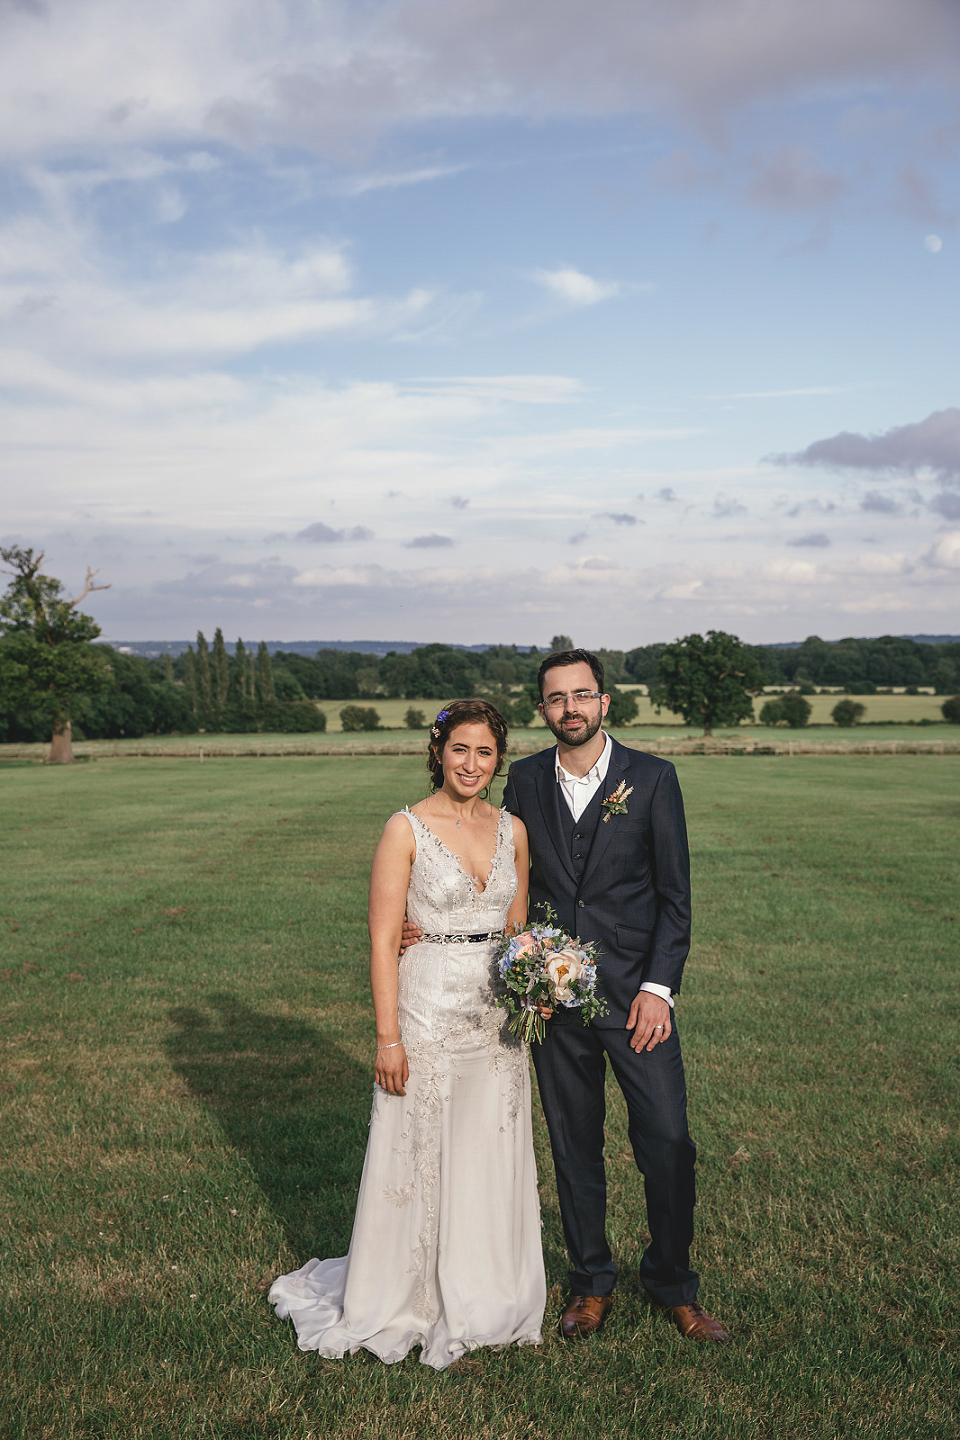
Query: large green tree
point(708, 680)
point(47, 663)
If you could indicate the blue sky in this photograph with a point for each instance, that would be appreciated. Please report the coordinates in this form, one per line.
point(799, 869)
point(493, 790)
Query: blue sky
point(477, 322)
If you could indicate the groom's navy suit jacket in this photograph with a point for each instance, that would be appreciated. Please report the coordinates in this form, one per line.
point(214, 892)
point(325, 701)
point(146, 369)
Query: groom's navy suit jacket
point(633, 895)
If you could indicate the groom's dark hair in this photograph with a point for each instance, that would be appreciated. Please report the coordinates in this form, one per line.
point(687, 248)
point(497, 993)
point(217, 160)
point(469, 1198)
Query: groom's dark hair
point(571, 657)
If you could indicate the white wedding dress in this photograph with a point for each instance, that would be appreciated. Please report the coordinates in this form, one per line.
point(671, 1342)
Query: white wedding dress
point(446, 1251)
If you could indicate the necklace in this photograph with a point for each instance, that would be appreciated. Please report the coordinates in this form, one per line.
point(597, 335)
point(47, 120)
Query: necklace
point(449, 817)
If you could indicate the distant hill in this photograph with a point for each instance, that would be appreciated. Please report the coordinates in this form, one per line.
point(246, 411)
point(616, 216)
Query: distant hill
point(932, 639)
point(153, 648)
point(919, 639)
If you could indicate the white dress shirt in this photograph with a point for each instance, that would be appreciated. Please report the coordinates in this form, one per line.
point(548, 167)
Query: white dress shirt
point(578, 791)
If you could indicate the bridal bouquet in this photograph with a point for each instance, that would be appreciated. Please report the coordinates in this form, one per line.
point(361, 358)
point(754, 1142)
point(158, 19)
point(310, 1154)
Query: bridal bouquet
point(545, 966)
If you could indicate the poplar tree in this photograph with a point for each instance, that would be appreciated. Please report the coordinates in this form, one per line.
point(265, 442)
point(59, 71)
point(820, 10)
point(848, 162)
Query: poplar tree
point(221, 672)
point(240, 707)
point(238, 674)
point(190, 679)
point(168, 667)
point(264, 675)
point(204, 695)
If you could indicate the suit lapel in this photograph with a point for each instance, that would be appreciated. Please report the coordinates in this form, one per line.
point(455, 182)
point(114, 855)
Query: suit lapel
point(549, 797)
point(606, 826)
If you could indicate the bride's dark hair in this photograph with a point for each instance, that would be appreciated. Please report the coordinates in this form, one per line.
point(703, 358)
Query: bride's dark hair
point(464, 712)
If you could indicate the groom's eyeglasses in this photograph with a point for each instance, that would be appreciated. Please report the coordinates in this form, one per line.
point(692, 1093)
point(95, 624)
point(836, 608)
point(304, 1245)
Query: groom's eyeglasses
point(579, 697)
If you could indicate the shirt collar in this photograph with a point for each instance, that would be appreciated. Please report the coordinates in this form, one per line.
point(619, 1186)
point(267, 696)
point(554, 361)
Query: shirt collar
point(597, 772)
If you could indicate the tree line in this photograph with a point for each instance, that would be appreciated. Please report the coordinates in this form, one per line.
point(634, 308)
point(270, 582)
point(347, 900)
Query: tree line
point(863, 666)
point(437, 671)
point(56, 681)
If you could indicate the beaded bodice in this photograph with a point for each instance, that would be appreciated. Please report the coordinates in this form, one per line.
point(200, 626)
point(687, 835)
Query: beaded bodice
point(443, 898)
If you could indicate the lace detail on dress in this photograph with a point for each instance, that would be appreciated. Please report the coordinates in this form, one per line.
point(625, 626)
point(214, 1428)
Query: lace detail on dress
point(445, 1251)
point(443, 898)
point(468, 1020)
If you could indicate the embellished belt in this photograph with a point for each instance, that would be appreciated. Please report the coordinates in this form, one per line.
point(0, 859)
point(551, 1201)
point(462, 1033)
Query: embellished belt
point(461, 939)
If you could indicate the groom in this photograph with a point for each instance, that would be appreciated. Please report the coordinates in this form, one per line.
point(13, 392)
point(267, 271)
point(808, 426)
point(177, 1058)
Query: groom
point(617, 871)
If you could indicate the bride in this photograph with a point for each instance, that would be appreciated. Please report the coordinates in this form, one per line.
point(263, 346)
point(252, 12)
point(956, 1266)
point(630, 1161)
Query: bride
point(445, 1252)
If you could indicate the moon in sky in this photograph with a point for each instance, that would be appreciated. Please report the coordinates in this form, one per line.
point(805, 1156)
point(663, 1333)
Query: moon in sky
point(933, 243)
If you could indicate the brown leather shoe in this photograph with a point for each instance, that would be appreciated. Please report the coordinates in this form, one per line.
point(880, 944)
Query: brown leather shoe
point(584, 1315)
point(694, 1323)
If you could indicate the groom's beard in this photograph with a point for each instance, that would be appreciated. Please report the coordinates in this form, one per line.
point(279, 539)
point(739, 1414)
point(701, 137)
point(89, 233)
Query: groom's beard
point(576, 737)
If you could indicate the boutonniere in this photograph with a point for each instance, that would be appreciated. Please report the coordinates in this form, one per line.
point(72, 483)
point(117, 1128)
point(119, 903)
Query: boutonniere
point(616, 804)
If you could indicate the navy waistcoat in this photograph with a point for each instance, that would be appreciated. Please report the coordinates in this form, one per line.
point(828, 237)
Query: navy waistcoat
point(579, 834)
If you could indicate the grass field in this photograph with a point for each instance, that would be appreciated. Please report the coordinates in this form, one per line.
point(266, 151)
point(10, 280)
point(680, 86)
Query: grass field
point(899, 708)
point(186, 1081)
point(663, 739)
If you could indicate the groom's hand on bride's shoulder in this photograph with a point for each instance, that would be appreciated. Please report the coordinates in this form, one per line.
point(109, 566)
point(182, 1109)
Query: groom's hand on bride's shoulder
point(410, 935)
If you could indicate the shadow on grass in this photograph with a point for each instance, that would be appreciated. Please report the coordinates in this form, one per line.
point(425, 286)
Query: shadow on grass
point(289, 1099)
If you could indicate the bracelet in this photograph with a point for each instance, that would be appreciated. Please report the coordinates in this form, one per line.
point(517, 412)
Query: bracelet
point(392, 1046)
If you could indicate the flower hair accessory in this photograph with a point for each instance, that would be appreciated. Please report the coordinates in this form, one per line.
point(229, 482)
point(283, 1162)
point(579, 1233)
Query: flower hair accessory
point(435, 728)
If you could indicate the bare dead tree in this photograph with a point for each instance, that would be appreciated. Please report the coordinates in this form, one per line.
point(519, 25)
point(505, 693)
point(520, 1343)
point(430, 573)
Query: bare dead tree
point(88, 586)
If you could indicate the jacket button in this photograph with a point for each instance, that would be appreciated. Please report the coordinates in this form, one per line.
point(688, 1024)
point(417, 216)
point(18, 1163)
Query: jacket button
point(580, 903)
point(577, 836)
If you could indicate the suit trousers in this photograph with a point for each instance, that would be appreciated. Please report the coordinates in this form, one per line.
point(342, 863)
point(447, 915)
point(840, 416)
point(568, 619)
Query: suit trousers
point(571, 1066)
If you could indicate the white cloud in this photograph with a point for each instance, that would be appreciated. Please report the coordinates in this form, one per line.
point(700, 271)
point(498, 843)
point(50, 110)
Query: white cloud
point(877, 565)
point(395, 180)
point(595, 437)
point(171, 205)
point(597, 562)
point(330, 74)
point(576, 288)
point(63, 297)
point(791, 572)
point(515, 389)
point(329, 576)
point(685, 590)
point(945, 554)
point(875, 605)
